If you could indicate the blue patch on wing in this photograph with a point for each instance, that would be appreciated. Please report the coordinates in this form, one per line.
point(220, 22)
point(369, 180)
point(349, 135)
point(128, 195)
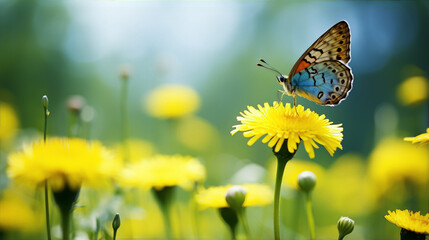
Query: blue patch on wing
point(324, 83)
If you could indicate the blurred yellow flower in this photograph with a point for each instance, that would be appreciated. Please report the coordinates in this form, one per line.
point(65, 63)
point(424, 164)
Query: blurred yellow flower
point(136, 150)
point(345, 188)
point(422, 139)
point(134, 218)
point(394, 163)
point(172, 101)
point(197, 134)
point(294, 168)
point(257, 195)
point(62, 161)
point(16, 214)
point(410, 221)
point(413, 90)
point(280, 123)
point(8, 122)
point(163, 171)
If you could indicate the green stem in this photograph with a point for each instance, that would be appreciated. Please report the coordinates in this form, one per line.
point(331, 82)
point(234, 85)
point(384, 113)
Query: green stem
point(48, 222)
point(72, 128)
point(167, 220)
point(97, 228)
point(165, 199)
point(114, 234)
point(193, 209)
point(297, 206)
point(242, 218)
point(65, 200)
point(230, 217)
point(233, 234)
point(283, 157)
point(124, 118)
point(65, 224)
point(46, 113)
point(279, 177)
point(310, 218)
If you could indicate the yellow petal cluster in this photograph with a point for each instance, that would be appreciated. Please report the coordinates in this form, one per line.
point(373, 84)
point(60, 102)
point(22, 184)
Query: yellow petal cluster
point(62, 161)
point(396, 164)
point(279, 123)
point(422, 139)
point(8, 122)
point(257, 195)
point(408, 220)
point(413, 90)
point(172, 101)
point(345, 187)
point(164, 171)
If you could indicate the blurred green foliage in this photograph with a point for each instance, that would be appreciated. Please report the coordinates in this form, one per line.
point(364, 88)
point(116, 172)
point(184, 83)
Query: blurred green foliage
point(78, 48)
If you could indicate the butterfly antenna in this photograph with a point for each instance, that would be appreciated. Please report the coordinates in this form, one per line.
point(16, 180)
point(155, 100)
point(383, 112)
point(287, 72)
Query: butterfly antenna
point(267, 66)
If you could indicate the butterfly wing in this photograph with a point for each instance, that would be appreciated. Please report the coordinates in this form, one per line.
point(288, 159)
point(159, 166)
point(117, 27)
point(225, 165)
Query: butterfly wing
point(325, 83)
point(334, 44)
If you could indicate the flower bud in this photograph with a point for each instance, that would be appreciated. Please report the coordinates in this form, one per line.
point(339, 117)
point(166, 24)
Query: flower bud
point(116, 223)
point(76, 103)
point(124, 72)
point(235, 197)
point(345, 226)
point(45, 101)
point(306, 181)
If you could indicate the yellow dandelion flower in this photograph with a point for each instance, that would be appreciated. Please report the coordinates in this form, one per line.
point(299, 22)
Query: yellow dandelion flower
point(279, 123)
point(164, 171)
point(197, 134)
point(8, 122)
point(413, 90)
point(410, 221)
point(62, 161)
point(395, 164)
point(257, 195)
point(422, 139)
point(172, 101)
point(345, 188)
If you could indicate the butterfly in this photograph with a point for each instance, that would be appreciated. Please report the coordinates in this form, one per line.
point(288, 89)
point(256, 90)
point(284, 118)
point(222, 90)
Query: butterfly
point(321, 74)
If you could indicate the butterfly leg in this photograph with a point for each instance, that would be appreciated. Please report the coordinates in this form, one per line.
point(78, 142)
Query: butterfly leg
point(285, 93)
point(294, 105)
point(280, 98)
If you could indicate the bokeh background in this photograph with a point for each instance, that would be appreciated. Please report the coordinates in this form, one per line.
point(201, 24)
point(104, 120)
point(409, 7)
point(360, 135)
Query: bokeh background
point(72, 48)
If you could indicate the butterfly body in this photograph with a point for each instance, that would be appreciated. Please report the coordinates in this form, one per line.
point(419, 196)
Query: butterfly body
point(321, 74)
